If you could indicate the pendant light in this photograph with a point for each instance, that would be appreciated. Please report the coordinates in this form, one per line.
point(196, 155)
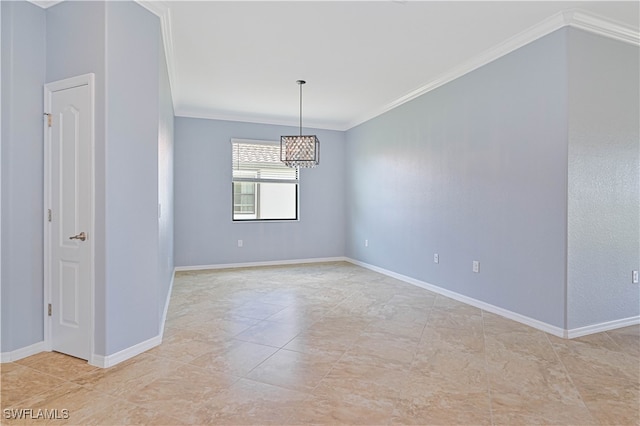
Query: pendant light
point(302, 150)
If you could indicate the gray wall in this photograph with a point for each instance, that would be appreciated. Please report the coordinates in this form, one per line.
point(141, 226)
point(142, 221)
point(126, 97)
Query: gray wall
point(120, 42)
point(23, 66)
point(75, 46)
point(133, 285)
point(474, 170)
point(604, 175)
point(204, 231)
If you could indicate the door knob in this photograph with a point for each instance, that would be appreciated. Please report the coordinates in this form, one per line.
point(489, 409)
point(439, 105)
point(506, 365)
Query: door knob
point(81, 236)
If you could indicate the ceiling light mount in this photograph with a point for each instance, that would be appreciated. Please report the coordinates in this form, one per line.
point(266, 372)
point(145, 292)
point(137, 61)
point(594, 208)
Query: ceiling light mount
point(301, 150)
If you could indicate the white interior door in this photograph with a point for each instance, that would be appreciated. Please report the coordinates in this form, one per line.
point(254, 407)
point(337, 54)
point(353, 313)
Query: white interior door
point(69, 216)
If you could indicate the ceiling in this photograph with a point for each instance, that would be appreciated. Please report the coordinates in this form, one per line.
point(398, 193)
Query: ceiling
point(239, 60)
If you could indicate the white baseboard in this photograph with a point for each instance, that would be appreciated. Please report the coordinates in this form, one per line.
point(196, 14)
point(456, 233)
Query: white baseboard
point(548, 328)
point(603, 326)
point(268, 263)
point(166, 305)
point(125, 354)
point(111, 360)
point(523, 319)
point(36, 348)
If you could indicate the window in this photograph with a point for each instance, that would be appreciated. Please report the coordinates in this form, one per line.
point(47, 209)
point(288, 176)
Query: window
point(263, 187)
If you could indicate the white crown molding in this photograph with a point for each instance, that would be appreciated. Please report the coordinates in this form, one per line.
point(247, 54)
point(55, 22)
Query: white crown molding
point(162, 11)
point(247, 118)
point(45, 3)
point(574, 18)
point(570, 18)
point(601, 26)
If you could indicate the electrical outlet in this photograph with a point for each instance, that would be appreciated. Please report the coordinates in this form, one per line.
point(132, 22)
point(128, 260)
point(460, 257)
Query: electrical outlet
point(436, 258)
point(366, 243)
point(240, 243)
point(634, 277)
point(476, 266)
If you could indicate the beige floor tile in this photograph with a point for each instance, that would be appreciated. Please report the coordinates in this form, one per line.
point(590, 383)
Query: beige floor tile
point(302, 316)
point(531, 344)
point(126, 413)
point(250, 403)
point(341, 412)
point(513, 407)
point(355, 391)
point(313, 345)
point(292, 370)
point(358, 348)
point(56, 364)
point(459, 317)
point(535, 379)
point(181, 393)
point(370, 368)
point(444, 408)
point(128, 377)
point(409, 329)
point(446, 339)
point(596, 355)
point(610, 401)
point(215, 328)
point(256, 310)
point(627, 338)
point(449, 371)
point(185, 345)
point(385, 345)
point(19, 383)
point(237, 360)
point(78, 402)
point(271, 333)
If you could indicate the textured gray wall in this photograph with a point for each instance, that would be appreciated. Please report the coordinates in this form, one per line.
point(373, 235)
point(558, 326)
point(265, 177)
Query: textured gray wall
point(132, 253)
point(120, 43)
point(75, 46)
point(474, 170)
point(604, 180)
point(204, 231)
point(23, 67)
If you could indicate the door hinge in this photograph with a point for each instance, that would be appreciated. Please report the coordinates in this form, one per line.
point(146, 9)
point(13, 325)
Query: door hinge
point(49, 119)
point(49, 309)
point(49, 215)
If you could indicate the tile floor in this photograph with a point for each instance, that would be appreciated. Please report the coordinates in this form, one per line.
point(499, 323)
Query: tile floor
point(334, 343)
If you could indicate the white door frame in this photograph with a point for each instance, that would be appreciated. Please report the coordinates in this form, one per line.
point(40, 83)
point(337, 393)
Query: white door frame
point(49, 89)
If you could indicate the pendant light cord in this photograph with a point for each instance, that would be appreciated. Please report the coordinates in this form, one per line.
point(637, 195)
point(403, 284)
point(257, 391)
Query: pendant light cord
point(300, 107)
point(301, 82)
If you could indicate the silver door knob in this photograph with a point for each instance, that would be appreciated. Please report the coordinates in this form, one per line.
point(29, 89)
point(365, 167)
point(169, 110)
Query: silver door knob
point(81, 236)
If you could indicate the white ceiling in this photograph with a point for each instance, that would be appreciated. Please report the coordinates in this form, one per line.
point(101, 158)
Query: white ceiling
point(240, 60)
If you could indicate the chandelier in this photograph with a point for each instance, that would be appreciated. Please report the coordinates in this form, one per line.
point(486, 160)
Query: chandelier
point(301, 150)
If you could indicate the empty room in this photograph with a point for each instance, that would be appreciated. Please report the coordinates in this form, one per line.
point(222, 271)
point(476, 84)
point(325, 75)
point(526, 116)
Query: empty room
point(320, 212)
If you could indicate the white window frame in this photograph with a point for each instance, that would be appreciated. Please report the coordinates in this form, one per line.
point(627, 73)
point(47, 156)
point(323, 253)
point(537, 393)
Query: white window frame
point(293, 179)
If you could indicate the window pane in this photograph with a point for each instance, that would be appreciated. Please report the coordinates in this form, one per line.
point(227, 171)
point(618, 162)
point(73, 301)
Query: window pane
point(277, 201)
point(244, 198)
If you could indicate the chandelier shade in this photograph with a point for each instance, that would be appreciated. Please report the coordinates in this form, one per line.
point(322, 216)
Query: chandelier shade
point(300, 150)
